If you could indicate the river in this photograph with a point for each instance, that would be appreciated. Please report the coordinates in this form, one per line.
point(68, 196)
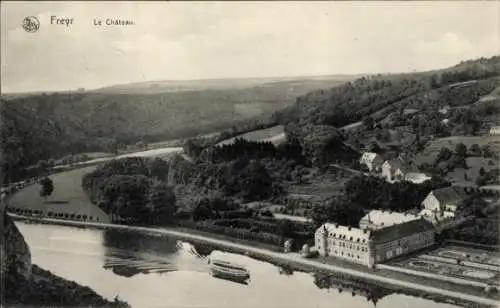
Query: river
point(157, 271)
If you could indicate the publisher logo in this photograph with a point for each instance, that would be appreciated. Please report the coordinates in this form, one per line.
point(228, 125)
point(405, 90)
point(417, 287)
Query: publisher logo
point(31, 24)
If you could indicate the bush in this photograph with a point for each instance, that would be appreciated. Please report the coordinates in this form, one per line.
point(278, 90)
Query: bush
point(243, 234)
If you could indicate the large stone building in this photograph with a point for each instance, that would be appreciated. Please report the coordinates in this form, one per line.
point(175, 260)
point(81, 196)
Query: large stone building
point(369, 247)
point(443, 203)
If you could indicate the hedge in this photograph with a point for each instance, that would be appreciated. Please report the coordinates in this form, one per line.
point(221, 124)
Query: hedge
point(243, 234)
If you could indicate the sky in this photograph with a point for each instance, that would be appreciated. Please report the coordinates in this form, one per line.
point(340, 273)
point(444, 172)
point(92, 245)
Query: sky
point(202, 40)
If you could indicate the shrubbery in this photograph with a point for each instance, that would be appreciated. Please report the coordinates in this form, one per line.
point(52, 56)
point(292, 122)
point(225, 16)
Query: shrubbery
point(243, 234)
point(484, 231)
point(376, 193)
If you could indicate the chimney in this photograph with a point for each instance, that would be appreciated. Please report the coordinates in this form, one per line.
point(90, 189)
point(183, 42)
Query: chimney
point(349, 228)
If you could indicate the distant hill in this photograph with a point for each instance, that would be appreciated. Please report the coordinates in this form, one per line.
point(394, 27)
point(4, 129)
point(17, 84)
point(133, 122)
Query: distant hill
point(163, 86)
point(42, 126)
point(380, 95)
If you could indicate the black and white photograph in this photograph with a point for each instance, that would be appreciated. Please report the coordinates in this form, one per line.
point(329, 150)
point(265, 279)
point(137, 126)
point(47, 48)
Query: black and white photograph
point(250, 154)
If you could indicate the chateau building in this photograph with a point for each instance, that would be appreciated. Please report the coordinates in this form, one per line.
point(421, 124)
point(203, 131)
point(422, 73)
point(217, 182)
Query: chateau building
point(369, 247)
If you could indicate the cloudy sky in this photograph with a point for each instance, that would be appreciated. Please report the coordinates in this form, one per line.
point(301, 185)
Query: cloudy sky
point(189, 40)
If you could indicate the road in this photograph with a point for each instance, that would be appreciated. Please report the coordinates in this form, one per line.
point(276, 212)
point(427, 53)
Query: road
point(281, 257)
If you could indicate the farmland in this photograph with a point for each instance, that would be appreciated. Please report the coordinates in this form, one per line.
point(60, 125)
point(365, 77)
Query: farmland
point(428, 155)
point(275, 133)
point(68, 196)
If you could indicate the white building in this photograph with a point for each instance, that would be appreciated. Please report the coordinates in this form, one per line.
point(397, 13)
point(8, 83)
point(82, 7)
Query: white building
point(495, 130)
point(378, 219)
point(444, 109)
point(416, 177)
point(443, 203)
point(372, 160)
point(390, 168)
point(369, 247)
point(397, 170)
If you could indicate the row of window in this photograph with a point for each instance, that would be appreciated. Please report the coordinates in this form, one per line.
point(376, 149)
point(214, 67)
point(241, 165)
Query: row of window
point(343, 236)
point(349, 255)
point(349, 246)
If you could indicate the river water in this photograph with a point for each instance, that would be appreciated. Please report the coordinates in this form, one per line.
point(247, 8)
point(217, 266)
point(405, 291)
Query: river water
point(152, 271)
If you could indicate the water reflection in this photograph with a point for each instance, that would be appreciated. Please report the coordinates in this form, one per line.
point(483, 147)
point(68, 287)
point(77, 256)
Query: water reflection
point(285, 270)
point(157, 271)
point(371, 292)
point(128, 254)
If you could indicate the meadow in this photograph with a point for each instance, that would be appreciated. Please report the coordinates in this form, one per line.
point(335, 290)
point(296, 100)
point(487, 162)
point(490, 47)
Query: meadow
point(428, 155)
point(273, 134)
point(67, 197)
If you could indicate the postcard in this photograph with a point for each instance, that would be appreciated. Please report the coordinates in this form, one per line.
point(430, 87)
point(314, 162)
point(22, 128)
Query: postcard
point(250, 154)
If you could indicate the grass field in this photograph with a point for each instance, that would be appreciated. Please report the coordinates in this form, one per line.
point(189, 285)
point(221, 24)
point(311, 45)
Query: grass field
point(319, 188)
point(273, 134)
point(91, 155)
point(428, 155)
point(68, 196)
point(474, 164)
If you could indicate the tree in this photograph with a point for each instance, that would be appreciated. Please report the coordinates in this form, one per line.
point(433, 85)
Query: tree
point(482, 171)
point(461, 150)
point(487, 151)
point(443, 155)
point(113, 146)
point(374, 147)
point(193, 148)
point(434, 81)
point(42, 167)
point(475, 150)
point(161, 204)
point(368, 122)
point(338, 210)
point(286, 229)
point(46, 187)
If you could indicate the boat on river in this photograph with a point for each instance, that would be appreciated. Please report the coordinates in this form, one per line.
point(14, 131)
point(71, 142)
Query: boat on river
point(228, 270)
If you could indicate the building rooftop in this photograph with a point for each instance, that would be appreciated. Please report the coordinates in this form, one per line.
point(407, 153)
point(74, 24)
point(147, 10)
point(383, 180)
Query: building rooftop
point(450, 194)
point(386, 218)
point(369, 156)
point(396, 163)
point(417, 177)
point(344, 232)
point(409, 169)
point(383, 235)
point(397, 231)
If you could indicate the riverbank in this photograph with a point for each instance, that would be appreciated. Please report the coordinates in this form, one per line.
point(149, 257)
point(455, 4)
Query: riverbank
point(462, 295)
point(44, 289)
